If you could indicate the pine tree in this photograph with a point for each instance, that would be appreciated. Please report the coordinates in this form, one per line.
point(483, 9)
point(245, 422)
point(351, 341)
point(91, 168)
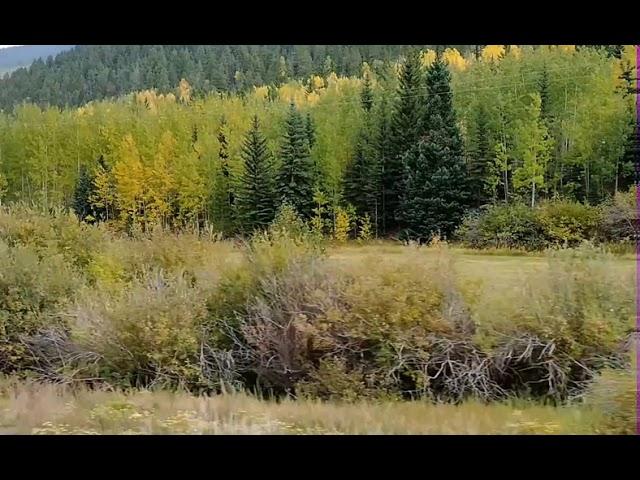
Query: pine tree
point(361, 181)
point(295, 180)
point(256, 194)
point(406, 127)
point(82, 195)
point(366, 94)
point(437, 190)
point(480, 158)
point(545, 94)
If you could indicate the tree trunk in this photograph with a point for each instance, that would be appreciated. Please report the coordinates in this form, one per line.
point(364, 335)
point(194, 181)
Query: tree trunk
point(533, 194)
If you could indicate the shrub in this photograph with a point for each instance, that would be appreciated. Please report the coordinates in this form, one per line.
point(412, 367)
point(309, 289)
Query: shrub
point(613, 396)
point(568, 223)
point(32, 292)
point(149, 335)
point(503, 226)
point(59, 233)
point(619, 218)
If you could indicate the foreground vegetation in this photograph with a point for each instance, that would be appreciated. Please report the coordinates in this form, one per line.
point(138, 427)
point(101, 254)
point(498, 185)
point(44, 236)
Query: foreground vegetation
point(288, 315)
point(46, 409)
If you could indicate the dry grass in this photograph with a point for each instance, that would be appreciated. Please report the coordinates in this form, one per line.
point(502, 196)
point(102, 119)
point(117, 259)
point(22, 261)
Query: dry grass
point(29, 408)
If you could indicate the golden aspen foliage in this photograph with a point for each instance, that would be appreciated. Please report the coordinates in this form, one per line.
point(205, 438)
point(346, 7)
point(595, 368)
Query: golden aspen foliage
point(104, 195)
point(129, 179)
point(293, 92)
point(427, 57)
point(342, 225)
point(261, 93)
point(160, 181)
point(184, 91)
point(454, 59)
point(313, 98)
point(567, 48)
point(317, 82)
point(515, 51)
point(332, 79)
point(492, 53)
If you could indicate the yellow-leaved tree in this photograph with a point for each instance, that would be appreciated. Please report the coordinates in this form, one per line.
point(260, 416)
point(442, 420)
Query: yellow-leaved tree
point(184, 92)
point(130, 181)
point(454, 59)
point(427, 57)
point(492, 53)
point(160, 181)
point(191, 189)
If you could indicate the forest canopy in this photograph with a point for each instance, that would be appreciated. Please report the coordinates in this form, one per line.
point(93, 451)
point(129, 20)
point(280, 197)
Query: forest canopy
point(533, 123)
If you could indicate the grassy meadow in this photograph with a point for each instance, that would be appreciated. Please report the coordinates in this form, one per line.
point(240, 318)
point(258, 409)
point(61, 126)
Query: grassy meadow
point(166, 333)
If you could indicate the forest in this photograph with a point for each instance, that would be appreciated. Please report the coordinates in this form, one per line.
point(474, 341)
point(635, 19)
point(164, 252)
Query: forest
point(187, 259)
point(406, 150)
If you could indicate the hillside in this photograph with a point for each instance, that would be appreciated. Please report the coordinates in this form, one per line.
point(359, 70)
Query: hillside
point(24, 55)
point(94, 72)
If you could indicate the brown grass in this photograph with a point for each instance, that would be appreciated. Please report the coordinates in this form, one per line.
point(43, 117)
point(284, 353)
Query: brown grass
point(27, 408)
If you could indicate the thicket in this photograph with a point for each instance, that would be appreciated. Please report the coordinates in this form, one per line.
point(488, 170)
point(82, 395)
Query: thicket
point(552, 224)
point(80, 304)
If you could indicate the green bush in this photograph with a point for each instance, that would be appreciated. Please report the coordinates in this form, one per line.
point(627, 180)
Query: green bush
point(558, 223)
point(148, 335)
point(568, 223)
point(33, 290)
point(503, 226)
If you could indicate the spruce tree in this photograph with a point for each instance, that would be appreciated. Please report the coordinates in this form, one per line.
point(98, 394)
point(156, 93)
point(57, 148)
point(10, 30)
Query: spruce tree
point(366, 94)
point(256, 194)
point(295, 180)
point(545, 94)
point(406, 127)
point(437, 190)
point(383, 149)
point(82, 193)
point(480, 158)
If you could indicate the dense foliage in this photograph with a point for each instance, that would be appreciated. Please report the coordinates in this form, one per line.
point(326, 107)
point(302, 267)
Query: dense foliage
point(94, 72)
point(403, 147)
point(278, 316)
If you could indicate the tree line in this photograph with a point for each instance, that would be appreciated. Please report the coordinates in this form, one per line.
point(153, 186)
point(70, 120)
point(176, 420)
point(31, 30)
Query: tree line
point(94, 72)
point(408, 148)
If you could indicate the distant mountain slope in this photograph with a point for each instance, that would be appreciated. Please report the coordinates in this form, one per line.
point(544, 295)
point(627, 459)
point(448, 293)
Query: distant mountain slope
point(91, 72)
point(24, 55)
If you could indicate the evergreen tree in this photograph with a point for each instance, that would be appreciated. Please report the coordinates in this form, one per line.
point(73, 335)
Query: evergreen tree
point(361, 181)
point(366, 95)
point(406, 127)
point(82, 193)
point(383, 148)
point(296, 175)
point(480, 158)
point(256, 194)
point(545, 95)
point(437, 190)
